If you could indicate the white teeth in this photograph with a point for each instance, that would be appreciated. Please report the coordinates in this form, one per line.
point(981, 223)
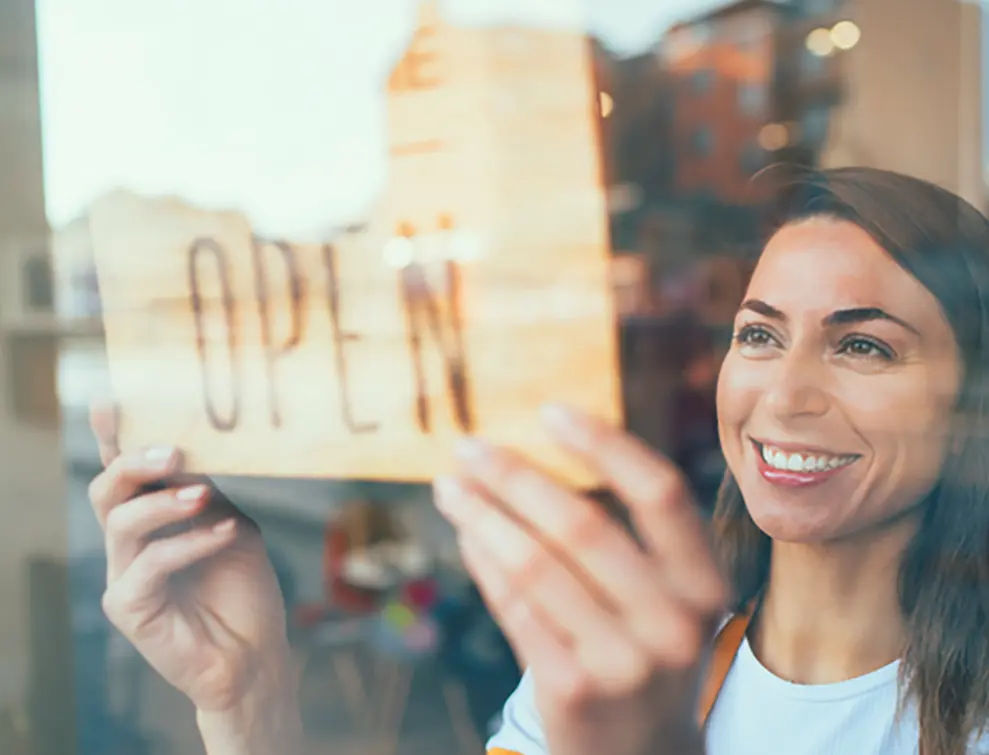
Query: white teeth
point(801, 462)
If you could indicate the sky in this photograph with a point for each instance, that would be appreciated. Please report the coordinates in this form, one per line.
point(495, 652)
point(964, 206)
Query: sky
point(272, 107)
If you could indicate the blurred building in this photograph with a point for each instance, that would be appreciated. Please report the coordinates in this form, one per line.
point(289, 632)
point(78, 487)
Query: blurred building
point(895, 84)
point(810, 78)
point(723, 64)
point(913, 92)
point(31, 479)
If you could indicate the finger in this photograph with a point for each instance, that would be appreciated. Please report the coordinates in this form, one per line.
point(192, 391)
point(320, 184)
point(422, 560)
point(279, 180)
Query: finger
point(601, 554)
point(104, 419)
point(535, 574)
point(659, 501)
point(127, 474)
point(140, 591)
point(129, 525)
point(537, 641)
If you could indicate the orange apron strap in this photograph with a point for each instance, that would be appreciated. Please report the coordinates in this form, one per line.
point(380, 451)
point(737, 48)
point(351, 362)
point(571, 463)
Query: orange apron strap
point(726, 646)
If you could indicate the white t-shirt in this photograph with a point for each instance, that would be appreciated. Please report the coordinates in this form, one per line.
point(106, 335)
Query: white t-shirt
point(757, 713)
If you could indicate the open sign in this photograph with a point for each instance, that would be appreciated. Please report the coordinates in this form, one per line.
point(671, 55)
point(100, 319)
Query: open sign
point(476, 290)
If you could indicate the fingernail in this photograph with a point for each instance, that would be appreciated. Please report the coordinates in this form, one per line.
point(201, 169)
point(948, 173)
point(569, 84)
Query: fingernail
point(159, 455)
point(448, 494)
point(225, 526)
point(563, 420)
point(471, 449)
point(191, 493)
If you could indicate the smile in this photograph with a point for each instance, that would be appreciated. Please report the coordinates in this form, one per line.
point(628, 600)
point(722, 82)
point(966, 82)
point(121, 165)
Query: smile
point(799, 467)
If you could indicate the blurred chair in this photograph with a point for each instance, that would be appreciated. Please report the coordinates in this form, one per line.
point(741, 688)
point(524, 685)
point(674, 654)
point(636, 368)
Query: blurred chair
point(372, 597)
point(336, 627)
point(415, 632)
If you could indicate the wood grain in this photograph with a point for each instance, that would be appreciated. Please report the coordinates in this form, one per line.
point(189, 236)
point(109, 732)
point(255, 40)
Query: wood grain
point(477, 290)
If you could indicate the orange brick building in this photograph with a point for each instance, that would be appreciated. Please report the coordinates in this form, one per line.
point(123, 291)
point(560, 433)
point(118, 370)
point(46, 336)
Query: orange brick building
point(724, 66)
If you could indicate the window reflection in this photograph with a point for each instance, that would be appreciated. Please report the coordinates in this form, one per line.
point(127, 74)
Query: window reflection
point(279, 112)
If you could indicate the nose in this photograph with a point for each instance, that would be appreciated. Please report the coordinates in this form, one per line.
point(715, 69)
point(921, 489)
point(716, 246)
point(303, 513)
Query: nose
point(798, 387)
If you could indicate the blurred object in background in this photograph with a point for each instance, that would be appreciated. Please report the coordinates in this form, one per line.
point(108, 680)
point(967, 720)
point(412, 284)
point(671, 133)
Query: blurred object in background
point(912, 80)
point(631, 279)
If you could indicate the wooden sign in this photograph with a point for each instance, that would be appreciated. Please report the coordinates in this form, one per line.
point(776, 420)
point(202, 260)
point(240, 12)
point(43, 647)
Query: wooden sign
point(477, 289)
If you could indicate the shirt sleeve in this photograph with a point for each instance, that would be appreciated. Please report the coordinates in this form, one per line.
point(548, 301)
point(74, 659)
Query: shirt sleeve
point(521, 731)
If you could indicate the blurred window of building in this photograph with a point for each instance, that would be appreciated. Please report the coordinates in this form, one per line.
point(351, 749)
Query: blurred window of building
point(809, 8)
point(686, 40)
point(702, 32)
point(752, 98)
point(750, 32)
point(752, 159)
point(702, 141)
point(822, 6)
point(814, 125)
point(813, 64)
point(702, 80)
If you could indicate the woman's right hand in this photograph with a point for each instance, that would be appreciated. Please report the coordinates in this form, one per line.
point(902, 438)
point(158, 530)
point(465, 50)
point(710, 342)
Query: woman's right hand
point(189, 582)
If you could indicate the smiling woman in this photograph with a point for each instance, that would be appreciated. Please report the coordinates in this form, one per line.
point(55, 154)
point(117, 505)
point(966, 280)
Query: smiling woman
point(851, 531)
point(853, 522)
point(863, 342)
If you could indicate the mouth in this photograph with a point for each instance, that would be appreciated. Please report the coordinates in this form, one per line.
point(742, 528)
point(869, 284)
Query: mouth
point(798, 467)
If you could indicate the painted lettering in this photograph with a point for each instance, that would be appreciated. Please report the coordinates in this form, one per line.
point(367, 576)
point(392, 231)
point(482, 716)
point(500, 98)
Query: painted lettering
point(340, 338)
point(425, 312)
point(199, 248)
point(272, 351)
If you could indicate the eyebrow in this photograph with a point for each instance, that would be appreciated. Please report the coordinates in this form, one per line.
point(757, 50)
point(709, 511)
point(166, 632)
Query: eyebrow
point(838, 317)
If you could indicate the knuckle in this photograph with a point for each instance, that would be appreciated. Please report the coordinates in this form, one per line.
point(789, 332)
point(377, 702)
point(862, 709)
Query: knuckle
point(525, 562)
point(96, 488)
point(663, 490)
point(117, 521)
point(629, 680)
point(625, 671)
point(114, 605)
point(580, 691)
point(584, 527)
point(682, 645)
point(155, 555)
point(520, 482)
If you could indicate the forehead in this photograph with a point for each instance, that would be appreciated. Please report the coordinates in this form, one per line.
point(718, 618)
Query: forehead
point(823, 265)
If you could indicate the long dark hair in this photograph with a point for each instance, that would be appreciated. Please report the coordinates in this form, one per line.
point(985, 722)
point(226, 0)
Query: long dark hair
point(943, 242)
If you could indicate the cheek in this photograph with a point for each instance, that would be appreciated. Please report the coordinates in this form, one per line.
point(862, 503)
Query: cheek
point(906, 424)
point(738, 393)
point(907, 411)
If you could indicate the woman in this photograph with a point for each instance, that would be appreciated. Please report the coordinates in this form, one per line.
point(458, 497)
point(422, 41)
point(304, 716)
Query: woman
point(852, 525)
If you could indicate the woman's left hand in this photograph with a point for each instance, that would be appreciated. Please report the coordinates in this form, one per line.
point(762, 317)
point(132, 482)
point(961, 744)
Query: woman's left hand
point(612, 632)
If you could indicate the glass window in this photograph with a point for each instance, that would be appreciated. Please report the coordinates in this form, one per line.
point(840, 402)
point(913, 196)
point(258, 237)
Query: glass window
point(752, 98)
point(702, 80)
point(753, 159)
point(702, 141)
point(813, 65)
point(815, 125)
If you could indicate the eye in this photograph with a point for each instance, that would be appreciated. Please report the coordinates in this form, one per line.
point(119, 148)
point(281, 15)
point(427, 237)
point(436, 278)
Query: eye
point(755, 337)
point(868, 348)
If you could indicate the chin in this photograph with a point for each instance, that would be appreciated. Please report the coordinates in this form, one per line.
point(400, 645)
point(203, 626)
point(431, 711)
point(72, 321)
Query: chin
point(784, 527)
point(791, 518)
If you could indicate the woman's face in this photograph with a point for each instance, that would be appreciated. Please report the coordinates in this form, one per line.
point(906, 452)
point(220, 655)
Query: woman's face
point(834, 402)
